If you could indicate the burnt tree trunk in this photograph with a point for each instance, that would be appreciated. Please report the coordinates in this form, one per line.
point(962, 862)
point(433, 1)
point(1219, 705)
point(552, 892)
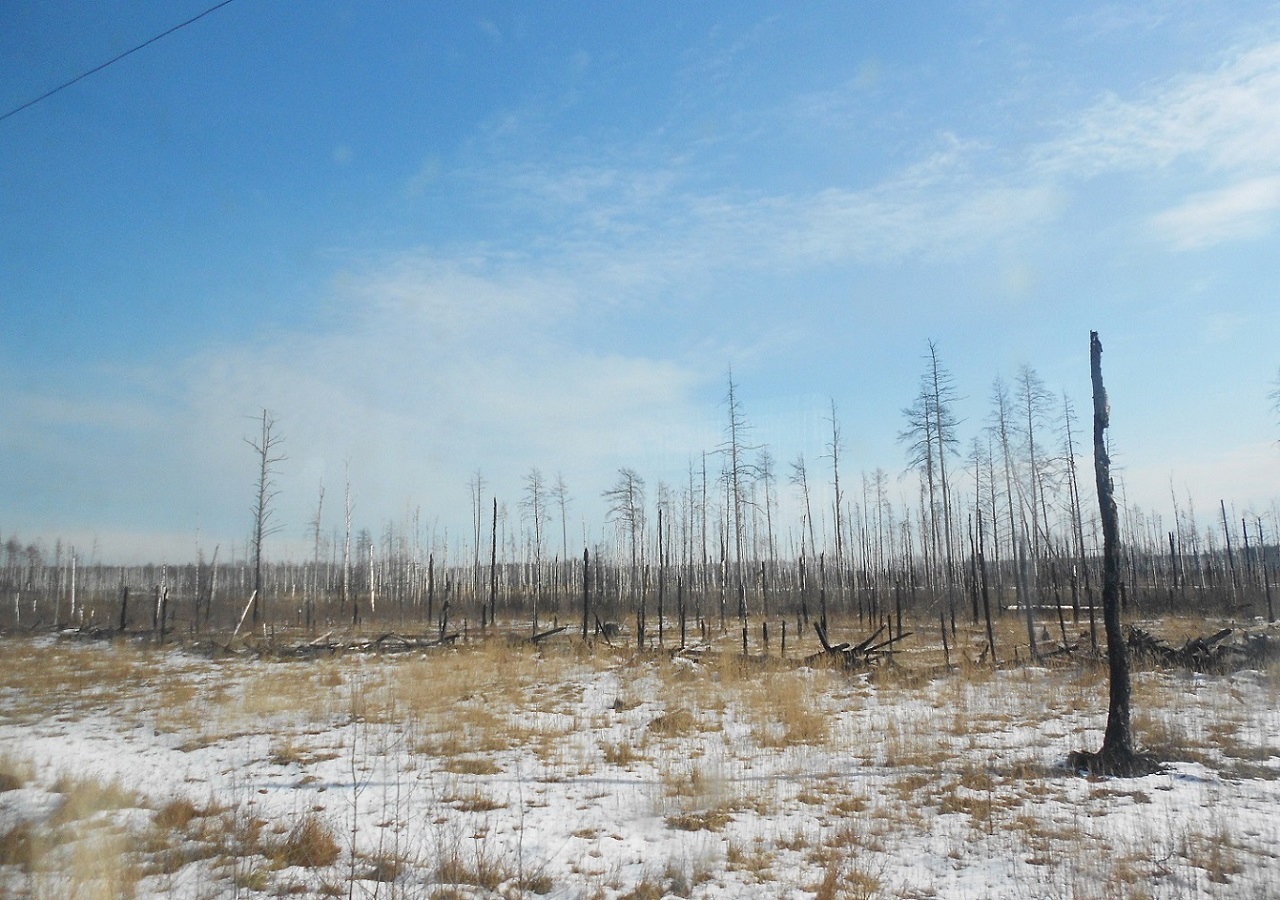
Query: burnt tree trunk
point(586, 590)
point(493, 567)
point(1117, 756)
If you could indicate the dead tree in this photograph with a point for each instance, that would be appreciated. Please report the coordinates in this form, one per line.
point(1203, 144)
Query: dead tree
point(267, 450)
point(1117, 756)
point(586, 591)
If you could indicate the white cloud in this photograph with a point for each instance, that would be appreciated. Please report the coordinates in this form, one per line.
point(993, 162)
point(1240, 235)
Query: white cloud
point(435, 369)
point(634, 229)
point(1239, 211)
point(1225, 120)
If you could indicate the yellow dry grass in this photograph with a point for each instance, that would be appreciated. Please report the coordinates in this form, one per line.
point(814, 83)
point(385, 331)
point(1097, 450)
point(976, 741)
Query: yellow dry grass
point(963, 748)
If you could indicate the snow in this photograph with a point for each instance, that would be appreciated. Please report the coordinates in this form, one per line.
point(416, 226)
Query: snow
point(493, 776)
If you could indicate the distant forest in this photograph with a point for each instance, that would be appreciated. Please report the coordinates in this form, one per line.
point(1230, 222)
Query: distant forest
point(1005, 522)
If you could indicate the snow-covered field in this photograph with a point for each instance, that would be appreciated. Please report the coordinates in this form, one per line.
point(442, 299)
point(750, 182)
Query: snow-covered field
point(499, 770)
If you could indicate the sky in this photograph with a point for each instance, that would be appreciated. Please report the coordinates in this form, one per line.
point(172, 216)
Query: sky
point(436, 239)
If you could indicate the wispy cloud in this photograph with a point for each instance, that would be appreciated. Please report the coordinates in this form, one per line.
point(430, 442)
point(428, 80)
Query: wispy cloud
point(434, 368)
point(1224, 120)
point(1217, 130)
point(620, 223)
point(1239, 211)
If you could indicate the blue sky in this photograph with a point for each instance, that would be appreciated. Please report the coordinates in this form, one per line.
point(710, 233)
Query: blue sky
point(436, 238)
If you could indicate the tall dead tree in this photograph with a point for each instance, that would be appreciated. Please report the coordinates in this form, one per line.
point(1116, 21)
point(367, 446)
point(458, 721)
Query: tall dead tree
point(560, 494)
point(1081, 581)
point(1117, 756)
point(477, 515)
point(315, 562)
point(267, 449)
point(737, 472)
point(1000, 424)
point(833, 453)
point(534, 505)
point(930, 436)
point(800, 478)
point(626, 510)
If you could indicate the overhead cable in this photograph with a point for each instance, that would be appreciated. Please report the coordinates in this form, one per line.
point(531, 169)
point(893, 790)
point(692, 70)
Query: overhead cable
point(47, 94)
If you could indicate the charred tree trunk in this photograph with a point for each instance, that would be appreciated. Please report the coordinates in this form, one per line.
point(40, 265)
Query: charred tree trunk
point(986, 595)
point(493, 567)
point(1117, 756)
point(586, 591)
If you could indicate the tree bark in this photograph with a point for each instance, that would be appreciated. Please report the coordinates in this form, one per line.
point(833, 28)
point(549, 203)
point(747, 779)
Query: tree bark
point(493, 567)
point(1117, 756)
point(586, 590)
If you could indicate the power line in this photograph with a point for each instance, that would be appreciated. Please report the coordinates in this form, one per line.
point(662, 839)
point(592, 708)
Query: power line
point(113, 60)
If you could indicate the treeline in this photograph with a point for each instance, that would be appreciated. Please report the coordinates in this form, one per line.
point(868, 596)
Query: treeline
point(1003, 521)
point(651, 600)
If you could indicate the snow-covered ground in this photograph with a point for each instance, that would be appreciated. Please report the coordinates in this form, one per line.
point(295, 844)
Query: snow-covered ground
point(502, 771)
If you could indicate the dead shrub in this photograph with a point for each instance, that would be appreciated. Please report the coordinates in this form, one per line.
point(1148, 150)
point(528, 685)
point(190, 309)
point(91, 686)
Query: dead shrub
point(471, 765)
point(673, 724)
point(20, 846)
point(486, 872)
point(177, 813)
point(310, 844)
point(700, 820)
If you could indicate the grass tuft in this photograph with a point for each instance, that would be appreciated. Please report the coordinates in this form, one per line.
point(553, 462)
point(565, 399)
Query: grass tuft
point(310, 844)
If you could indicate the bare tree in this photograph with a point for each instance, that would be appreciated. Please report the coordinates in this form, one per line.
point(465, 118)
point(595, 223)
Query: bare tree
point(1000, 426)
point(317, 544)
point(800, 478)
point(1081, 581)
point(626, 510)
point(346, 547)
point(764, 469)
point(833, 454)
point(533, 504)
point(737, 471)
point(626, 507)
point(930, 437)
point(267, 450)
point(1034, 401)
point(477, 513)
point(1117, 755)
point(1275, 395)
point(560, 494)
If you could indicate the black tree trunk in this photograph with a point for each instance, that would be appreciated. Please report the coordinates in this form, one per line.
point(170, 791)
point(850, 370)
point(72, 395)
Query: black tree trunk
point(1117, 756)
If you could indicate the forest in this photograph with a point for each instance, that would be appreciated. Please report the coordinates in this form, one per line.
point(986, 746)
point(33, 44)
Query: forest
point(897, 693)
point(1003, 524)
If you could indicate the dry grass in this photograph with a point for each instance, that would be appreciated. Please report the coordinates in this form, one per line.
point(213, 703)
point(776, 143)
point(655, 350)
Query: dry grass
point(471, 765)
point(967, 752)
point(482, 868)
point(677, 723)
point(14, 773)
point(622, 754)
point(783, 709)
point(700, 820)
point(310, 843)
point(79, 849)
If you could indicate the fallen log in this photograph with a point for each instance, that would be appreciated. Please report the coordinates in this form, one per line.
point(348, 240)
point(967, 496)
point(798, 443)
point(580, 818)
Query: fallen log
point(546, 634)
point(859, 655)
point(1209, 653)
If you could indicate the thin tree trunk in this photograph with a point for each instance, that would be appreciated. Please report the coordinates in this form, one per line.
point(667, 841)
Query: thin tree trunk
point(1117, 756)
point(493, 566)
point(586, 590)
point(986, 597)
